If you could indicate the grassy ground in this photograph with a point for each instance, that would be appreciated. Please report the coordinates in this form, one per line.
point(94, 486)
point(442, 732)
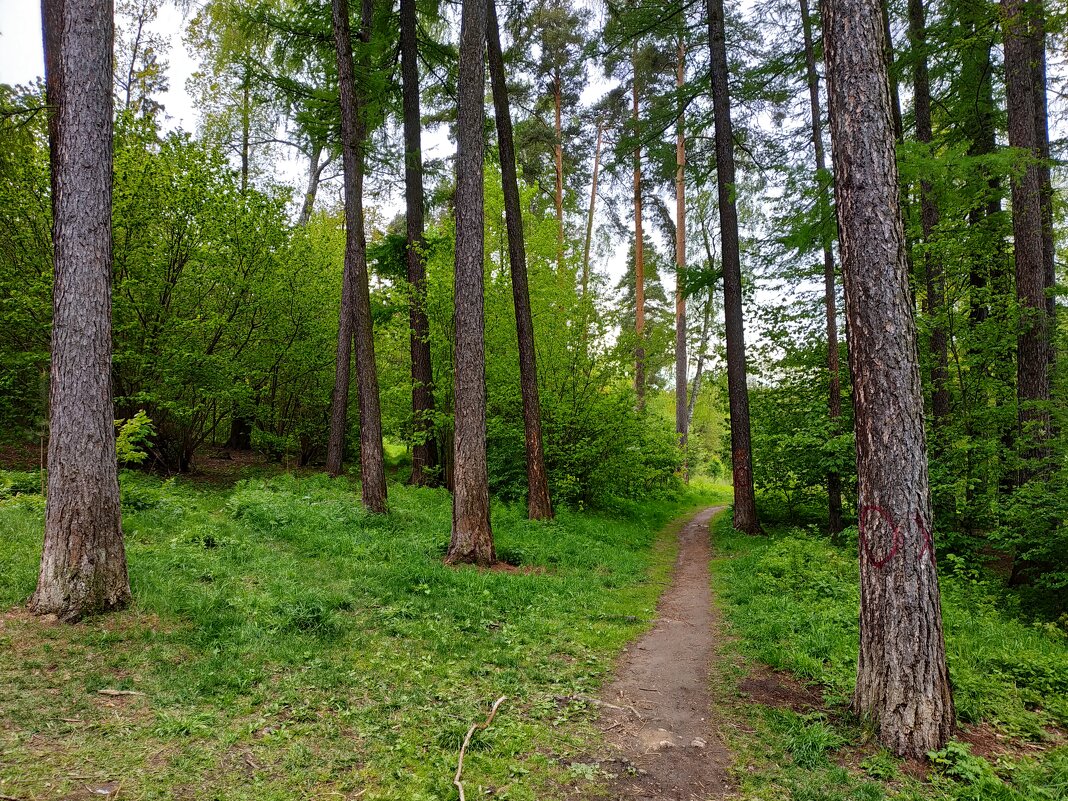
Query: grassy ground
point(284, 645)
point(790, 603)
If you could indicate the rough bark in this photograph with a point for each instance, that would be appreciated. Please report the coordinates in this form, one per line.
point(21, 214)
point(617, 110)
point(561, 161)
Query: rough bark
point(830, 300)
point(902, 684)
point(745, 513)
point(1033, 339)
point(1038, 82)
point(932, 263)
point(424, 451)
point(639, 248)
point(83, 565)
point(593, 206)
point(539, 506)
point(682, 419)
point(472, 537)
point(353, 144)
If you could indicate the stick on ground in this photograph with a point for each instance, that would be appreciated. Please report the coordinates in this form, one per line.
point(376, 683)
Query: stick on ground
point(467, 741)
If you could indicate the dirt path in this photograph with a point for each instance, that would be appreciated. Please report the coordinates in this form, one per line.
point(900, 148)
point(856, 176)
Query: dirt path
point(657, 711)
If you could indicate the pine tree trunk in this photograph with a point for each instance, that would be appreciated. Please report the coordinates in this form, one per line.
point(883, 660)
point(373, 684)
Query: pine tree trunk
point(639, 251)
point(353, 144)
point(902, 684)
point(929, 221)
point(424, 451)
point(1033, 340)
point(1038, 79)
point(559, 155)
point(682, 419)
point(472, 537)
point(830, 299)
point(83, 566)
point(315, 172)
point(745, 513)
point(593, 206)
point(539, 506)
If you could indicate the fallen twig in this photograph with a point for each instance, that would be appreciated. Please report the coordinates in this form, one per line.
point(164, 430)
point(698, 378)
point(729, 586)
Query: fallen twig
point(586, 699)
point(467, 741)
point(118, 692)
point(9, 798)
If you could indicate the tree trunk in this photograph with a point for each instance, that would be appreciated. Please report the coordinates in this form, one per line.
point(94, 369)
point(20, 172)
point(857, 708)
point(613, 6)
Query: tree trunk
point(706, 327)
point(1033, 340)
point(559, 154)
point(315, 173)
point(539, 507)
point(83, 565)
point(902, 684)
point(745, 513)
point(929, 220)
point(472, 537)
point(682, 419)
point(1038, 79)
point(353, 144)
point(888, 50)
point(424, 450)
point(593, 206)
point(830, 299)
point(639, 250)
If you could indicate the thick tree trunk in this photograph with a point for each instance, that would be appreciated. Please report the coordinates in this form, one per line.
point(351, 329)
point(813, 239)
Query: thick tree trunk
point(472, 537)
point(682, 419)
point(745, 513)
point(539, 506)
point(830, 299)
point(929, 221)
point(353, 144)
point(902, 684)
point(639, 250)
point(1033, 340)
point(593, 206)
point(1038, 79)
point(83, 566)
point(424, 451)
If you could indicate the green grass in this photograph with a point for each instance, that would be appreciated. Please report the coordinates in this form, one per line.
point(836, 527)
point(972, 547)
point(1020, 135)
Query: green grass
point(288, 645)
point(791, 600)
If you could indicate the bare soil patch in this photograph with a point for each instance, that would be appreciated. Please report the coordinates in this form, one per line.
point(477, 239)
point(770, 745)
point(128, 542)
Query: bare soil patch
point(657, 713)
point(780, 690)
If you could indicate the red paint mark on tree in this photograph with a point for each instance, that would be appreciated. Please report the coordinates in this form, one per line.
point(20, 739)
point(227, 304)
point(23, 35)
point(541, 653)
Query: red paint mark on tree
point(865, 546)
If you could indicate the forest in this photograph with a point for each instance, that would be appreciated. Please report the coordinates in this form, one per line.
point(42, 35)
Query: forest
point(534, 399)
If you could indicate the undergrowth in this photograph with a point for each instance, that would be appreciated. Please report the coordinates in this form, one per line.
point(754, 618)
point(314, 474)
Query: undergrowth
point(791, 603)
point(285, 644)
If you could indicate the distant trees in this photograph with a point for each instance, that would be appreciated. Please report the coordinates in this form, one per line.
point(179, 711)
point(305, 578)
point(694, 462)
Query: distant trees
point(83, 566)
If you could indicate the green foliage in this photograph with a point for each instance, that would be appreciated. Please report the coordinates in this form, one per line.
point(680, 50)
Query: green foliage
point(791, 602)
point(278, 620)
point(134, 437)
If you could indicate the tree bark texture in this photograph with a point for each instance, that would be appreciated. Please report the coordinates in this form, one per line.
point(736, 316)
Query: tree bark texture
point(1033, 339)
point(472, 537)
point(83, 565)
point(639, 251)
point(682, 419)
point(932, 263)
point(353, 144)
point(902, 684)
point(539, 506)
point(830, 299)
point(424, 451)
point(745, 513)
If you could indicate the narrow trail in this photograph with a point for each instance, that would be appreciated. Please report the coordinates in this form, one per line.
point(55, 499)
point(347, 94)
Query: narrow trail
point(657, 711)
